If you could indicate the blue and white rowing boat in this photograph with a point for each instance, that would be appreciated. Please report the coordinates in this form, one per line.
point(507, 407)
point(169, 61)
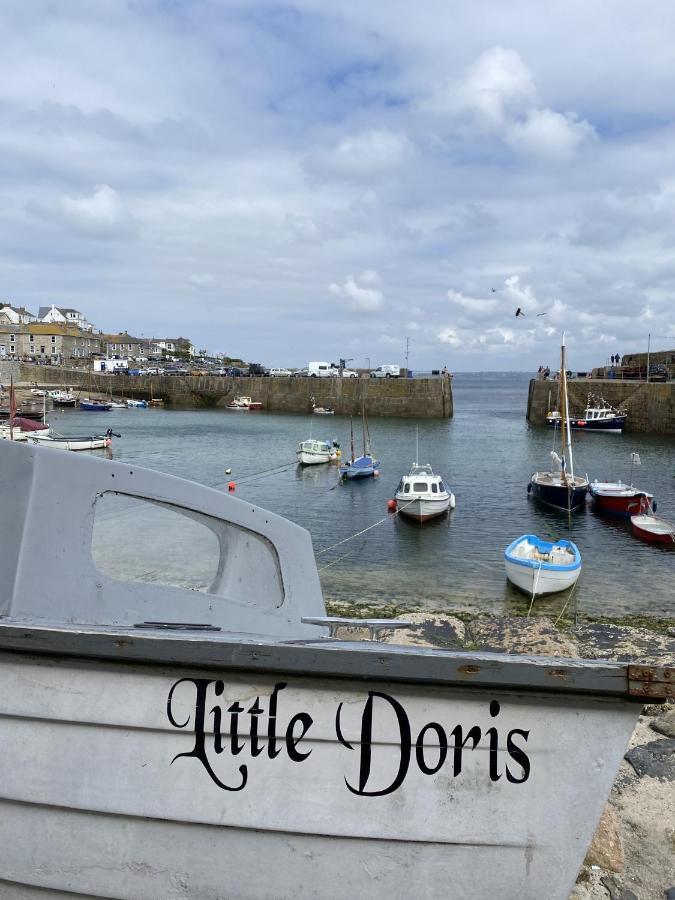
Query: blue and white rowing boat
point(541, 567)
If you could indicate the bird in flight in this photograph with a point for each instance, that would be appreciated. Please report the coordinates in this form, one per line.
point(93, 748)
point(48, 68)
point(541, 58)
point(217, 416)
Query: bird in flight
point(519, 312)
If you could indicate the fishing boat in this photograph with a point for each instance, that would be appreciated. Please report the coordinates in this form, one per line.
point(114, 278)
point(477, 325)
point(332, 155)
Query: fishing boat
point(323, 410)
point(74, 442)
point(359, 466)
point(136, 404)
point(539, 567)
point(241, 404)
point(422, 495)
point(179, 723)
point(62, 398)
point(653, 529)
point(598, 416)
point(561, 488)
point(312, 452)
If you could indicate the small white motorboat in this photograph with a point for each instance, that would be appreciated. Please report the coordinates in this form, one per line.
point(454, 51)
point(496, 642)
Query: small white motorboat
point(134, 404)
point(323, 410)
point(241, 404)
point(312, 453)
point(539, 567)
point(70, 442)
point(19, 429)
point(422, 495)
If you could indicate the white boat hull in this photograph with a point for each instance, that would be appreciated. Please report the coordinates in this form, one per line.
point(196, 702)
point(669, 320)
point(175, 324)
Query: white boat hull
point(314, 459)
point(544, 580)
point(93, 443)
point(102, 795)
point(423, 509)
point(16, 434)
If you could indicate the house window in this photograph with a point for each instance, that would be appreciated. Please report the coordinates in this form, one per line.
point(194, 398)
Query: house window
point(42, 349)
point(11, 338)
point(53, 339)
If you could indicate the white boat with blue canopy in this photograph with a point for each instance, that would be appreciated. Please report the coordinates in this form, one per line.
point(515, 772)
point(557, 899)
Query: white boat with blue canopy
point(178, 718)
point(537, 567)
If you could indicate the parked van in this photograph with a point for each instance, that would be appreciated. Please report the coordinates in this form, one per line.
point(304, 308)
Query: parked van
point(386, 372)
point(322, 370)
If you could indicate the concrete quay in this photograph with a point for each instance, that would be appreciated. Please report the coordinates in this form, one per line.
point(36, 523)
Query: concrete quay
point(650, 406)
point(397, 397)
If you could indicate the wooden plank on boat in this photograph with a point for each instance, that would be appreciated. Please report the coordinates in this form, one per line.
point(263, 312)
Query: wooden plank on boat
point(364, 660)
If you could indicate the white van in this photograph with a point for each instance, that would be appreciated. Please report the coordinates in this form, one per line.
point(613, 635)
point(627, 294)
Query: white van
point(386, 372)
point(322, 369)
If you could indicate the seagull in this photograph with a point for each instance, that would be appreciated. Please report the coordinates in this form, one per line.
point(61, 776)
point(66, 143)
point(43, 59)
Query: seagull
point(519, 312)
point(540, 314)
point(494, 290)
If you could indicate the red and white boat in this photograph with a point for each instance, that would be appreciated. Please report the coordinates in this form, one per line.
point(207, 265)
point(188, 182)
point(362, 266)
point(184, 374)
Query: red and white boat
point(244, 403)
point(620, 499)
point(653, 529)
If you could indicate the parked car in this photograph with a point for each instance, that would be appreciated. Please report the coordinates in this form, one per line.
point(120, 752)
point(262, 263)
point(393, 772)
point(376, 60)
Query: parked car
point(280, 373)
point(302, 373)
point(236, 372)
point(349, 373)
point(257, 369)
point(390, 371)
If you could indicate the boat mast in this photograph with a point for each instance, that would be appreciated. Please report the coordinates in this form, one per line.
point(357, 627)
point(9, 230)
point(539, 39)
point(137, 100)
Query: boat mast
point(566, 434)
point(351, 435)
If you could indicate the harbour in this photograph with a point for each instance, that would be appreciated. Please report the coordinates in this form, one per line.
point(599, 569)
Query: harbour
point(485, 453)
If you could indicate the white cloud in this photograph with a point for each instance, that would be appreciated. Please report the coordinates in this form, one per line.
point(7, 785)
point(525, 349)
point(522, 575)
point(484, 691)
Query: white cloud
point(202, 281)
point(357, 293)
point(548, 135)
point(101, 215)
point(477, 307)
point(369, 154)
point(449, 336)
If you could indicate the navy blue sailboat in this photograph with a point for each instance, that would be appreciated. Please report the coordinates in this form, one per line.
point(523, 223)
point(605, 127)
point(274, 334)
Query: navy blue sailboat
point(360, 466)
point(561, 488)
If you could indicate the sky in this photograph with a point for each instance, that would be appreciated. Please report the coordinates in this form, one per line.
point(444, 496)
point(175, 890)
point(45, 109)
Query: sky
point(284, 182)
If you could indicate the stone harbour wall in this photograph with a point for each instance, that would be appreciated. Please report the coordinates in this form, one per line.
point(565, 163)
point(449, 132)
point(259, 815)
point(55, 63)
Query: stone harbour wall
point(399, 397)
point(650, 407)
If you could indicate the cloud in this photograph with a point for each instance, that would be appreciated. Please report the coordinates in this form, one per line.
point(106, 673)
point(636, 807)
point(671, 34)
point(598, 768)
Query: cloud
point(369, 154)
point(449, 336)
point(101, 215)
point(498, 98)
point(360, 293)
point(476, 307)
point(202, 281)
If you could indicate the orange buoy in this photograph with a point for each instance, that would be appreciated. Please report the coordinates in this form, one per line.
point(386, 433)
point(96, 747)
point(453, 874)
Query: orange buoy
point(391, 505)
point(231, 485)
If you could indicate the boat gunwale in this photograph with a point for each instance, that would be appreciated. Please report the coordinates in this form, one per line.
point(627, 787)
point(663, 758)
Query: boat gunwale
point(536, 564)
point(334, 658)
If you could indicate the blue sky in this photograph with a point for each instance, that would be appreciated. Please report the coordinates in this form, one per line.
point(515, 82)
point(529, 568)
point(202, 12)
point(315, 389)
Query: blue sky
point(312, 180)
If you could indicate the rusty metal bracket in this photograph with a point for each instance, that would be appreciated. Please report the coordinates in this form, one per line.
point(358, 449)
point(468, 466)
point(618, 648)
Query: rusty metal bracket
point(652, 682)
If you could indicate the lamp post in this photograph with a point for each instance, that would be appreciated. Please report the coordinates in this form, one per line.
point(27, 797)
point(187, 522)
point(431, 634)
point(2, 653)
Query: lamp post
point(368, 361)
point(649, 340)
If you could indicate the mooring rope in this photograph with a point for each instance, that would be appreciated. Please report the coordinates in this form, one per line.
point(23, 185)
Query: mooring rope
point(351, 537)
point(569, 597)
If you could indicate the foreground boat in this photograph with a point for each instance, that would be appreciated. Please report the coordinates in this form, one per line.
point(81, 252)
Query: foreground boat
point(313, 453)
point(539, 567)
point(561, 488)
point(170, 731)
point(422, 495)
point(620, 499)
point(653, 529)
point(19, 428)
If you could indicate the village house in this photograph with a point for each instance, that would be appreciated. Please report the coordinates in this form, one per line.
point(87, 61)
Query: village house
point(47, 343)
point(64, 316)
point(15, 315)
point(124, 346)
point(174, 347)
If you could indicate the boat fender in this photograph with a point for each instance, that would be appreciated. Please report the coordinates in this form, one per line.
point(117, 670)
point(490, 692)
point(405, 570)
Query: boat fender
point(529, 488)
point(228, 471)
point(654, 505)
point(231, 485)
point(452, 501)
point(391, 505)
point(376, 473)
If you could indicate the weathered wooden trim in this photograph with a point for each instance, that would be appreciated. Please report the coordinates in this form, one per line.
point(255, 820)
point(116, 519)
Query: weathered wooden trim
point(347, 659)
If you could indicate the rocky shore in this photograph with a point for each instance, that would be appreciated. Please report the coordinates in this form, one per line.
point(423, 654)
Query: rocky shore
point(632, 856)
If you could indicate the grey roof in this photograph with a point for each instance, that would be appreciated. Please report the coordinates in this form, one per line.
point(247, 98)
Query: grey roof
point(42, 312)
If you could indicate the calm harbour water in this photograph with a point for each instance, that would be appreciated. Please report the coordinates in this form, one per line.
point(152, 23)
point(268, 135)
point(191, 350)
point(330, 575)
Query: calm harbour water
point(486, 454)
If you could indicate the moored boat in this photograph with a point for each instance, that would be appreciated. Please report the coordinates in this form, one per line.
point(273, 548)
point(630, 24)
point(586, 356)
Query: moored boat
point(172, 727)
point(241, 404)
point(598, 416)
point(620, 499)
point(62, 398)
point(312, 452)
point(362, 466)
point(422, 495)
point(19, 428)
point(561, 488)
point(90, 405)
point(539, 567)
point(653, 529)
point(136, 404)
point(323, 410)
point(73, 442)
